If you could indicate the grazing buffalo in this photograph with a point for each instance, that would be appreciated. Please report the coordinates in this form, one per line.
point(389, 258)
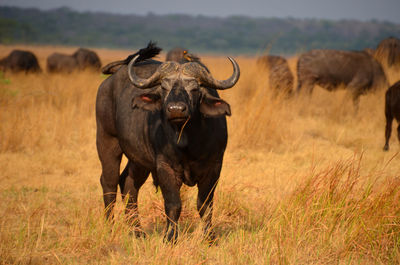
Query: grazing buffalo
point(168, 120)
point(80, 60)
point(87, 59)
point(388, 52)
point(280, 77)
point(20, 61)
point(61, 63)
point(392, 110)
point(357, 70)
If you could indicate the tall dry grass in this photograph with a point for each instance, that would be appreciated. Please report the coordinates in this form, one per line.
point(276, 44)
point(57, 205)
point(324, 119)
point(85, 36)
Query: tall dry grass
point(304, 181)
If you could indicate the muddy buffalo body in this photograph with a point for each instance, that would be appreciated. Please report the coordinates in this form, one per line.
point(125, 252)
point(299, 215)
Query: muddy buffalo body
point(168, 119)
point(20, 61)
point(392, 111)
point(357, 71)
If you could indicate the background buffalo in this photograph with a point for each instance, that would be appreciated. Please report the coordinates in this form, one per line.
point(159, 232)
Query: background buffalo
point(358, 71)
point(80, 60)
point(392, 111)
point(279, 75)
point(61, 63)
point(388, 52)
point(87, 59)
point(20, 61)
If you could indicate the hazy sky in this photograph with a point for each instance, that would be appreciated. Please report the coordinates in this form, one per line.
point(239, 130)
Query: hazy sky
point(388, 10)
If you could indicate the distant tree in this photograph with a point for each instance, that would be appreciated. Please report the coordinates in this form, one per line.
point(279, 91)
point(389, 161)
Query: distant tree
point(235, 34)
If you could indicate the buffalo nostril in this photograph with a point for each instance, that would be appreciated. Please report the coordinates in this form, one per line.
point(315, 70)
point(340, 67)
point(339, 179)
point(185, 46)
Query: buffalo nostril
point(176, 108)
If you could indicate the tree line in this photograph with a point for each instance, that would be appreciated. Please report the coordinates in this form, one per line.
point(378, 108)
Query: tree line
point(234, 34)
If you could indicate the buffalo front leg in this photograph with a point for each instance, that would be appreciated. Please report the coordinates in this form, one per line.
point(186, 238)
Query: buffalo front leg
point(205, 199)
point(305, 84)
point(398, 132)
point(388, 131)
point(356, 101)
point(170, 188)
point(131, 179)
point(110, 155)
point(358, 86)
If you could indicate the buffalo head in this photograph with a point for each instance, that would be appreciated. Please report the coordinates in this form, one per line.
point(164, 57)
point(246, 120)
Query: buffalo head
point(182, 91)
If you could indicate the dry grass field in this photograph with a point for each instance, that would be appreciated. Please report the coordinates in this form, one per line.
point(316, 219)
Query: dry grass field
point(304, 181)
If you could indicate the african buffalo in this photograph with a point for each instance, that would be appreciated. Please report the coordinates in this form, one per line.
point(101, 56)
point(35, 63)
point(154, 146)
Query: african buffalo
point(280, 77)
point(388, 52)
point(87, 59)
point(392, 110)
point(168, 120)
point(20, 61)
point(61, 63)
point(357, 70)
point(81, 59)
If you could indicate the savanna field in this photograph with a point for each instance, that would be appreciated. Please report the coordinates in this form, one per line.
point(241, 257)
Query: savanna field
point(304, 180)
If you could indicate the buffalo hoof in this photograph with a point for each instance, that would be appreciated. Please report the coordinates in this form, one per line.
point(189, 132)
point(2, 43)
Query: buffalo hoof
point(171, 237)
point(386, 148)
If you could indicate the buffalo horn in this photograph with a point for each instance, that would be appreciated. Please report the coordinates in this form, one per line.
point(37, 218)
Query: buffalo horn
point(208, 81)
point(141, 82)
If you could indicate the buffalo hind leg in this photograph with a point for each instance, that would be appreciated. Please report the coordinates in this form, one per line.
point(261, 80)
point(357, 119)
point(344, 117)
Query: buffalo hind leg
point(356, 102)
point(131, 180)
point(388, 131)
point(358, 86)
point(110, 155)
point(398, 131)
point(170, 188)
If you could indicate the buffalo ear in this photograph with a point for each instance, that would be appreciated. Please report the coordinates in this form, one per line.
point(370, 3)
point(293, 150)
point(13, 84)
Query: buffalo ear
point(147, 101)
point(212, 106)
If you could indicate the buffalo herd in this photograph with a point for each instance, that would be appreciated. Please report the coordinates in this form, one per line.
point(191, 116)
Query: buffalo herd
point(26, 61)
point(168, 119)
